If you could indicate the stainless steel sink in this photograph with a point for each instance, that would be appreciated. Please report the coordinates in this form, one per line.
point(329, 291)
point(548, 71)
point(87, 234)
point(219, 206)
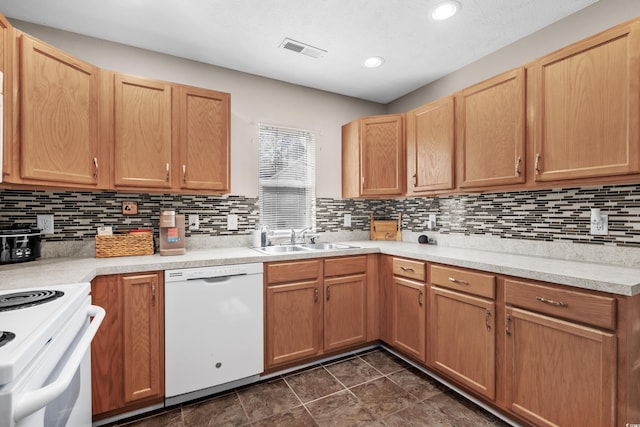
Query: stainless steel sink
point(326, 246)
point(281, 249)
point(302, 247)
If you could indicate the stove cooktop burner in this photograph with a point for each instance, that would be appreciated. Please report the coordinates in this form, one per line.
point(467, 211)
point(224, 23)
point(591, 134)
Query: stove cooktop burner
point(5, 337)
point(18, 300)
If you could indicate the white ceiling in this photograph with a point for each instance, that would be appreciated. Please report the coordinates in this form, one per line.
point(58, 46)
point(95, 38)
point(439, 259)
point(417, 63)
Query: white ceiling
point(245, 35)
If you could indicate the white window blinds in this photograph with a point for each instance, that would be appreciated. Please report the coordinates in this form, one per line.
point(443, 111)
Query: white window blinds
point(287, 178)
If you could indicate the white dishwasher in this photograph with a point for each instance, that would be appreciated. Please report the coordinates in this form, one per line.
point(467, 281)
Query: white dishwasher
point(213, 329)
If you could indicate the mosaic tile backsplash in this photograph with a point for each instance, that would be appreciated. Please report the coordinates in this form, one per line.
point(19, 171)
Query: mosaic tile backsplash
point(542, 215)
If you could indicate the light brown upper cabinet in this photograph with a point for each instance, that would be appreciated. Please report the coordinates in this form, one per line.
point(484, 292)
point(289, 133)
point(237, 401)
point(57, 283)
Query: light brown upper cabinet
point(430, 147)
point(373, 157)
point(584, 107)
point(59, 119)
point(143, 138)
point(170, 136)
point(490, 120)
point(6, 66)
point(204, 121)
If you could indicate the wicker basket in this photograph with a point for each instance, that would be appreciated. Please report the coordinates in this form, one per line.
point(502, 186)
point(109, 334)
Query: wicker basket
point(124, 245)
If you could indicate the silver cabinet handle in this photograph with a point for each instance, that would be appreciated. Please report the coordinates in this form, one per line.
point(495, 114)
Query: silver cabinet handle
point(168, 176)
point(328, 293)
point(153, 293)
point(537, 165)
point(420, 299)
point(552, 302)
point(459, 281)
point(415, 179)
point(407, 269)
point(315, 294)
point(506, 324)
point(518, 161)
point(184, 173)
point(95, 169)
point(487, 317)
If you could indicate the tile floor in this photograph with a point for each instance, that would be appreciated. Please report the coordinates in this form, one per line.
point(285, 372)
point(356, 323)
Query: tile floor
point(373, 388)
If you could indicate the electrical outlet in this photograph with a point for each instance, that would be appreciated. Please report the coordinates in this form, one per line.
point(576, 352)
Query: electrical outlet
point(600, 226)
point(432, 222)
point(194, 222)
point(45, 223)
point(232, 222)
point(347, 220)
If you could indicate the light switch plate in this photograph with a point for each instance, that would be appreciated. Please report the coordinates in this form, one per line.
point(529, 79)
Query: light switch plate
point(194, 222)
point(232, 222)
point(600, 228)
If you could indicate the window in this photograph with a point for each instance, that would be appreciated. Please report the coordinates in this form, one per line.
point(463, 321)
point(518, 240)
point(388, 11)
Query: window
point(287, 178)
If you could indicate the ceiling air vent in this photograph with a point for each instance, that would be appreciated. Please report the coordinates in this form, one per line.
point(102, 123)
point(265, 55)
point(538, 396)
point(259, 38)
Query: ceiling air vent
point(302, 48)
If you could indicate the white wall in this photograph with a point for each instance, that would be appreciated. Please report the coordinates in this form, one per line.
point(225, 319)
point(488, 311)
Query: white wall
point(253, 100)
point(591, 20)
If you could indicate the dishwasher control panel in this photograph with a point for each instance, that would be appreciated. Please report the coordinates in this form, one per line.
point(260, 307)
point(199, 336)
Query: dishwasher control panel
point(210, 272)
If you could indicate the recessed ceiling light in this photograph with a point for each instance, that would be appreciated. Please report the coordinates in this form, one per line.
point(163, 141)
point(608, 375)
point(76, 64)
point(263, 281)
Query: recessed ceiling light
point(445, 10)
point(373, 62)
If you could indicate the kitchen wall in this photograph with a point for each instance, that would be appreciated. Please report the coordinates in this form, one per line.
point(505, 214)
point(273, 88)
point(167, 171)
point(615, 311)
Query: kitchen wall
point(501, 221)
point(598, 17)
point(541, 216)
point(254, 100)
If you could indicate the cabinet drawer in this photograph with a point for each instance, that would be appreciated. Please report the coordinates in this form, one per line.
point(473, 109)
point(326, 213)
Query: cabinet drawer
point(409, 268)
point(582, 307)
point(471, 282)
point(344, 266)
point(281, 272)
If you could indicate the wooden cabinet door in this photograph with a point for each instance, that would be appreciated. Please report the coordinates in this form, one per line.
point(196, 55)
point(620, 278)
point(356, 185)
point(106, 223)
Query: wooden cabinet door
point(59, 119)
point(107, 382)
point(382, 155)
point(345, 311)
point(294, 322)
point(430, 147)
point(585, 107)
point(409, 321)
point(143, 133)
point(490, 119)
point(204, 121)
point(7, 66)
point(143, 332)
point(559, 373)
point(462, 339)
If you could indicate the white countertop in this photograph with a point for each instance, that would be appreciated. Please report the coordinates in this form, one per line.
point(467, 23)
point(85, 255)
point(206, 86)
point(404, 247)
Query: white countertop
point(601, 277)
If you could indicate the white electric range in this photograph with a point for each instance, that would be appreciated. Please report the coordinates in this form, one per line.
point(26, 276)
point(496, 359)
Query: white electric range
point(45, 368)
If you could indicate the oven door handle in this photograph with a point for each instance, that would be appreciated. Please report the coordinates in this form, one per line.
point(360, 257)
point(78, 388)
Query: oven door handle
point(34, 400)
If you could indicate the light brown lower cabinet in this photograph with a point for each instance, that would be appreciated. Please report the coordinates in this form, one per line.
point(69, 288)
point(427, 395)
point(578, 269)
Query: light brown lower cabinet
point(314, 307)
point(127, 353)
point(408, 307)
point(559, 371)
point(461, 334)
